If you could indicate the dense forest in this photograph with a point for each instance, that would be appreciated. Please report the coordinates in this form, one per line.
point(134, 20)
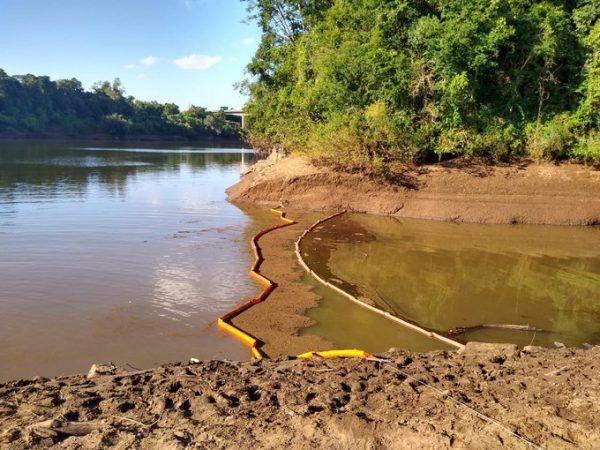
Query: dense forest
point(36, 105)
point(376, 81)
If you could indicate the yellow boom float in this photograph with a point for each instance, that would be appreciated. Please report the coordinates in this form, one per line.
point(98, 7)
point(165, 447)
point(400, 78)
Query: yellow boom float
point(224, 322)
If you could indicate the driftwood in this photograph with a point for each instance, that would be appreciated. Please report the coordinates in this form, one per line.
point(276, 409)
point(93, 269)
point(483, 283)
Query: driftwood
point(54, 427)
point(558, 371)
point(460, 330)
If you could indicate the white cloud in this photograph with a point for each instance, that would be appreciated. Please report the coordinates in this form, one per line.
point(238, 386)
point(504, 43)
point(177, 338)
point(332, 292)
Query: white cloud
point(129, 66)
point(149, 60)
point(197, 62)
point(192, 3)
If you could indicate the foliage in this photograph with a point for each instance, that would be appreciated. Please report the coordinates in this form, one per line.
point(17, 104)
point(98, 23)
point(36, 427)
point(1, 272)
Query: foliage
point(587, 149)
point(551, 140)
point(36, 104)
point(383, 80)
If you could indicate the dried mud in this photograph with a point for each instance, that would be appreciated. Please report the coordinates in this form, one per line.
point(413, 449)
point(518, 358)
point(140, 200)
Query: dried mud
point(548, 194)
point(549, 397)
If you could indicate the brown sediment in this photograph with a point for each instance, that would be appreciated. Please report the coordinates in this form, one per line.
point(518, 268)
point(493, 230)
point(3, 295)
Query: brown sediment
point(567, 194)
point(225, 322)
point(547, 397)
point(277, 320)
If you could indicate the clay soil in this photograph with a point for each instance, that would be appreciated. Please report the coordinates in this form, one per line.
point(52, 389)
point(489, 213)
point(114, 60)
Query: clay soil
point(567, 194)
point(549, 397)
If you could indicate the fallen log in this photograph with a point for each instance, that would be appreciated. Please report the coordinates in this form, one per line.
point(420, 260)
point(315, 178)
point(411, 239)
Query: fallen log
point(54, 427)
point(460, 330)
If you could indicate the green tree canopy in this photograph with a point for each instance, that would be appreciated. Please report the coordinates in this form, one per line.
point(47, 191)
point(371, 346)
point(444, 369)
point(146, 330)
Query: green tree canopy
point(36, 104)
point(382, 80)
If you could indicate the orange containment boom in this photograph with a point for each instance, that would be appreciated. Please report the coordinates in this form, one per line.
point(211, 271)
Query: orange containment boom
point(224, 322)
point(353, 353)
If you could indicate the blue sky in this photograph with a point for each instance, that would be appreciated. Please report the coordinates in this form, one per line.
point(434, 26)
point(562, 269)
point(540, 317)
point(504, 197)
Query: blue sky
point(181, 51)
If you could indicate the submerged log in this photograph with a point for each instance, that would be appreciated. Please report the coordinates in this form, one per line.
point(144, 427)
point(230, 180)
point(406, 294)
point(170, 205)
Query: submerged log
point(460, 330)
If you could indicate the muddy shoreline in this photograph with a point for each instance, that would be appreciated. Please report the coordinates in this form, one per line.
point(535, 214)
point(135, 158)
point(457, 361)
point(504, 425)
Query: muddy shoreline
point(529, 193)
point(548, 397)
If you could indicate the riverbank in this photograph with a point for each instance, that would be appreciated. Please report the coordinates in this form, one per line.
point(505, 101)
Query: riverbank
point(546, 194)
point(548, 397)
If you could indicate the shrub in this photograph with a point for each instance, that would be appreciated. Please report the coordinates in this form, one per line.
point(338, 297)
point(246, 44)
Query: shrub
point(552, 139)
point(587, 149)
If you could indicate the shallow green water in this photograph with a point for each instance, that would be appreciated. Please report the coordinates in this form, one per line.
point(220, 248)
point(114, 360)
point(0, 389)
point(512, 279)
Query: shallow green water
point(349, 326)
point(447, 275)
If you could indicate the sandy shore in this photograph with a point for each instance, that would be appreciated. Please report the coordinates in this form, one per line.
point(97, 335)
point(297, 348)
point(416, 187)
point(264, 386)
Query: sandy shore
point(549, 397)
point(277, 320)
point(567, 194)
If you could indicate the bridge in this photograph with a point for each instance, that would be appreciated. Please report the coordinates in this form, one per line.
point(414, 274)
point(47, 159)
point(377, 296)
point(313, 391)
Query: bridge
point(237, 113)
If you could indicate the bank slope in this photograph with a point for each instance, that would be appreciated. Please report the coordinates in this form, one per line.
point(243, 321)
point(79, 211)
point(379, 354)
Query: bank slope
point(548, 194)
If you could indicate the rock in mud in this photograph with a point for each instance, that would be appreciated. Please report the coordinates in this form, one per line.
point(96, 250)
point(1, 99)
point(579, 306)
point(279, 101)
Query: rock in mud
point(101, 369)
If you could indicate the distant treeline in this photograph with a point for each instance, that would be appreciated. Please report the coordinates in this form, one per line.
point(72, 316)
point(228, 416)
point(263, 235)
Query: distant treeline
point(375, 81)
point(32, 104)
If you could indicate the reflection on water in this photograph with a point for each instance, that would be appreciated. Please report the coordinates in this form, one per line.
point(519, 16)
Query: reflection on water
point(114, 253)
point(446, 275)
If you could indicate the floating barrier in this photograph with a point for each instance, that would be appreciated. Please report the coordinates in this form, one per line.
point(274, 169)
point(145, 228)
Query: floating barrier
point(224, 322)
point(387, 315)
point(354, 353)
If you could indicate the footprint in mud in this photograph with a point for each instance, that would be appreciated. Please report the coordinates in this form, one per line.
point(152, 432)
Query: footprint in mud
point(253, 394)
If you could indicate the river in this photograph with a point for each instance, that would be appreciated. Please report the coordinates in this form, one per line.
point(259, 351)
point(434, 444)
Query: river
point(123, 253)
point(129, 252)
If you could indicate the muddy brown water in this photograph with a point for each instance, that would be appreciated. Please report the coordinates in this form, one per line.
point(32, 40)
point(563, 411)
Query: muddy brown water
point(123, 253)
point(448, 275)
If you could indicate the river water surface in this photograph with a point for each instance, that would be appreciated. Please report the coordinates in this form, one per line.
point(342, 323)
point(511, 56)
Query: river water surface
point(114, 253)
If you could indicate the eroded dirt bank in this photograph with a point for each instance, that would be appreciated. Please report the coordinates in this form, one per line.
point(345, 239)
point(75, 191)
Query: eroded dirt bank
point(551, 397)
point(567, 194)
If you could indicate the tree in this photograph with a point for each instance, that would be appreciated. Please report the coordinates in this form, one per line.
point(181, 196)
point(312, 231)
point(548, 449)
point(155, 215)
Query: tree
point(30, 103)
point(378, 80)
